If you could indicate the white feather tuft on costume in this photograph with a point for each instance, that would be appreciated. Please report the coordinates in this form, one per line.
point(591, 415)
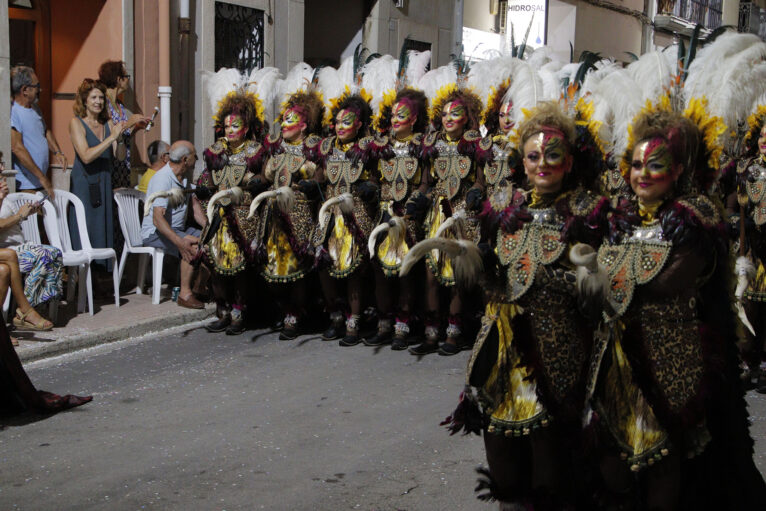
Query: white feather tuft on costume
point(285, 199)
point(616, 101)
point(258, 200)
point(263, 82)
point(455, 223)
point(526, 90)
point(592, 279)
point(329, 82)
point(603, 68)
point(346, 71)
point(433, 80)
point(373, 239)
point(539, 57)
point(704, 71)
point(175, 198)
point(220, 83)
point(234, 194)
point(344, 201)
point(378, 76)
point(465, 255)
point(418, 63)
point(549, 77)
point(297, 78)
point(652, 73)
point(745, 272)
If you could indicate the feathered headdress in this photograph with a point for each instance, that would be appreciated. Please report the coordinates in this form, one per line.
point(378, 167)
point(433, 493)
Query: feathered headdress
point(755, 123)
point(412, 66)
point(352, 90)
point(229, 92)
point(302, 92)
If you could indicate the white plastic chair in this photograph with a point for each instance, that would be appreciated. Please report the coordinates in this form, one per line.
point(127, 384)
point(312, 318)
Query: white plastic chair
point(31, 234)
point(127, 200)
point(57, 227)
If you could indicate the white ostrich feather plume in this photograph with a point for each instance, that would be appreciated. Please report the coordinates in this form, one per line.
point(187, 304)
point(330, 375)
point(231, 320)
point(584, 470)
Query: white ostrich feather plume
point(526, 90)
point(263, 82)
point(220, 83)
point(175, 198)
point(234, 194)
point(417, 64)
point(652, 73)
point(433, 80)
point(378, 76)
point(297, 78)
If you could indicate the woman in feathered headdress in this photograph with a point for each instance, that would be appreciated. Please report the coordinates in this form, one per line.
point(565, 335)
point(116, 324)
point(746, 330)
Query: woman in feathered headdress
point(666, 402)
point(456, 152)
point(232, 169)
point(348, 214)
point(401, 124)
point(531, 352)
point(747, 206)
point(287, 212)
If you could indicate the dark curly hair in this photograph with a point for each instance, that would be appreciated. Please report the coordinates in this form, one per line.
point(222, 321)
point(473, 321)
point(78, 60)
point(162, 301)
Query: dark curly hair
point(416, 100)
point(309, 104)
point(359, 106)
point(472, 105)
point(110, 71)
point(242, 104)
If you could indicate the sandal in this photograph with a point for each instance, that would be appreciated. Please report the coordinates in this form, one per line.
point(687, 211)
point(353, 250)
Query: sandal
point(21, 322)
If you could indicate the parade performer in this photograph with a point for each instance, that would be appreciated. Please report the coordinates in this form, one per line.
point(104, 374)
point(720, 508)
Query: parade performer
point(288, 215)
point(233, 165)
point(456, 152)
point(348, 214)
point(402, 120)
point(531, 352)
point(748, 207)
point(667, 406)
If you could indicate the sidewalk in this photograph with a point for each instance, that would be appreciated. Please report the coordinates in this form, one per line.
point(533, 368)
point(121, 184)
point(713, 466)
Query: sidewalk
point(136, 316)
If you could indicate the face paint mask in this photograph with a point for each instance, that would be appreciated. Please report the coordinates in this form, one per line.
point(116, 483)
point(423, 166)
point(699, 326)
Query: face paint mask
point(292, 124)
point(234, 128)
point(505, 120)
point(546, 160)
point(762, 142)
point(454, 118)
point(346, 125)
point(402, 119)
point(651, 173)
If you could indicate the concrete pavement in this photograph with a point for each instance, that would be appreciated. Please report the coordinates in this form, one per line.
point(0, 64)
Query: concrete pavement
point(136, 316)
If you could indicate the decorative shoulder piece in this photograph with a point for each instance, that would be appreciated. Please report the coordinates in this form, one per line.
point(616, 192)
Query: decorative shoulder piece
point(471, 135)
point(380, 140)
point(326, 146)
point(364, 143)
point(312, 141)
point(583, 202)
point(252, 148)
point(430, 139)
point(218, 146)
point(417, 139)
point(274, 139)
point(703, 208)
point(485, 143)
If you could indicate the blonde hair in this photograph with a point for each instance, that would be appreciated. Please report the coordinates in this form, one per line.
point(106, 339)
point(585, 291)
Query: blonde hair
point(547, 114)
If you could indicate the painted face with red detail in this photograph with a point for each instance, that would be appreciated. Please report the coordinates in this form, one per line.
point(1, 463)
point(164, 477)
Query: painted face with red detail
point(547, 160)
point(454, 119)
point(235, 129)
point(652, 172)
point(347, 125)
point(504, 118)
point(762, 141)
point(293, 124)
point(402, 119)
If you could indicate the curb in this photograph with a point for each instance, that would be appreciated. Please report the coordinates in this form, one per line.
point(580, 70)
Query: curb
point(75, 342)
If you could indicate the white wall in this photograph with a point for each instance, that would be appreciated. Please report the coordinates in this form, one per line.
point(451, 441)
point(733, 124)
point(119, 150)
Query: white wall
point(562, 23)
point(423, 20)
point(476, 15)
point(608, 32)
point(5, 86)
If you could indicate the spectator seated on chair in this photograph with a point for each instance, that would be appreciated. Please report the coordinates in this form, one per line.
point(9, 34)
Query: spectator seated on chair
point(165, 226)
point(42, 264)
point(157, 152)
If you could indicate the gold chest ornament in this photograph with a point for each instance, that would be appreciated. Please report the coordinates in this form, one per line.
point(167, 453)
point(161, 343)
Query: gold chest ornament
point(399, 171)
point(756, 192)
point(450, 168)
point(339, 170)
point(498, 168)
point(282, 166)
point(538, 242)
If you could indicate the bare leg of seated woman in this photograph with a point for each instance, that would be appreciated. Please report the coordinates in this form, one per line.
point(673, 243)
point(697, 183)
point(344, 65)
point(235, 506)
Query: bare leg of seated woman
point(10, 275)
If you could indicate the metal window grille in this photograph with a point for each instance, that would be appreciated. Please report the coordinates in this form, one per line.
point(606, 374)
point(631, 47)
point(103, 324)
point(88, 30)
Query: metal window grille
point(238, 37)
point(705, 12)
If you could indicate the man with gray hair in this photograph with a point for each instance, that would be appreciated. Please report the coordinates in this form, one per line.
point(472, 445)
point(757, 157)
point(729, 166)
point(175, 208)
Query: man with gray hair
point(165, 226)
point(31, 140)
point(158, 153)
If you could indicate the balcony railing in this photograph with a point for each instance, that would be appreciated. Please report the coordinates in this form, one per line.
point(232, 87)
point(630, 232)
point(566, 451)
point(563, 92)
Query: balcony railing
point(704, 12)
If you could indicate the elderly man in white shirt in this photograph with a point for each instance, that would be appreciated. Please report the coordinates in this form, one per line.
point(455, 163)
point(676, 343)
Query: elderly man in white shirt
point(165, 227)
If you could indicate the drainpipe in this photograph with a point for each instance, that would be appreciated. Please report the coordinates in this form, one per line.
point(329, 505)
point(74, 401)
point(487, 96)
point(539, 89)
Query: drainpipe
point(164, 91)
point(184, 35)
point(457, 27)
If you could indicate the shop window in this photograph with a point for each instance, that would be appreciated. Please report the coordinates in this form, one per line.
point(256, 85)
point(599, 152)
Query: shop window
point(238, 37)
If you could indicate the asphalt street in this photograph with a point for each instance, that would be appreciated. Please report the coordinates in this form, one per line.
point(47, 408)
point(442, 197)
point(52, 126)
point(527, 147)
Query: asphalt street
point(201, 421)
